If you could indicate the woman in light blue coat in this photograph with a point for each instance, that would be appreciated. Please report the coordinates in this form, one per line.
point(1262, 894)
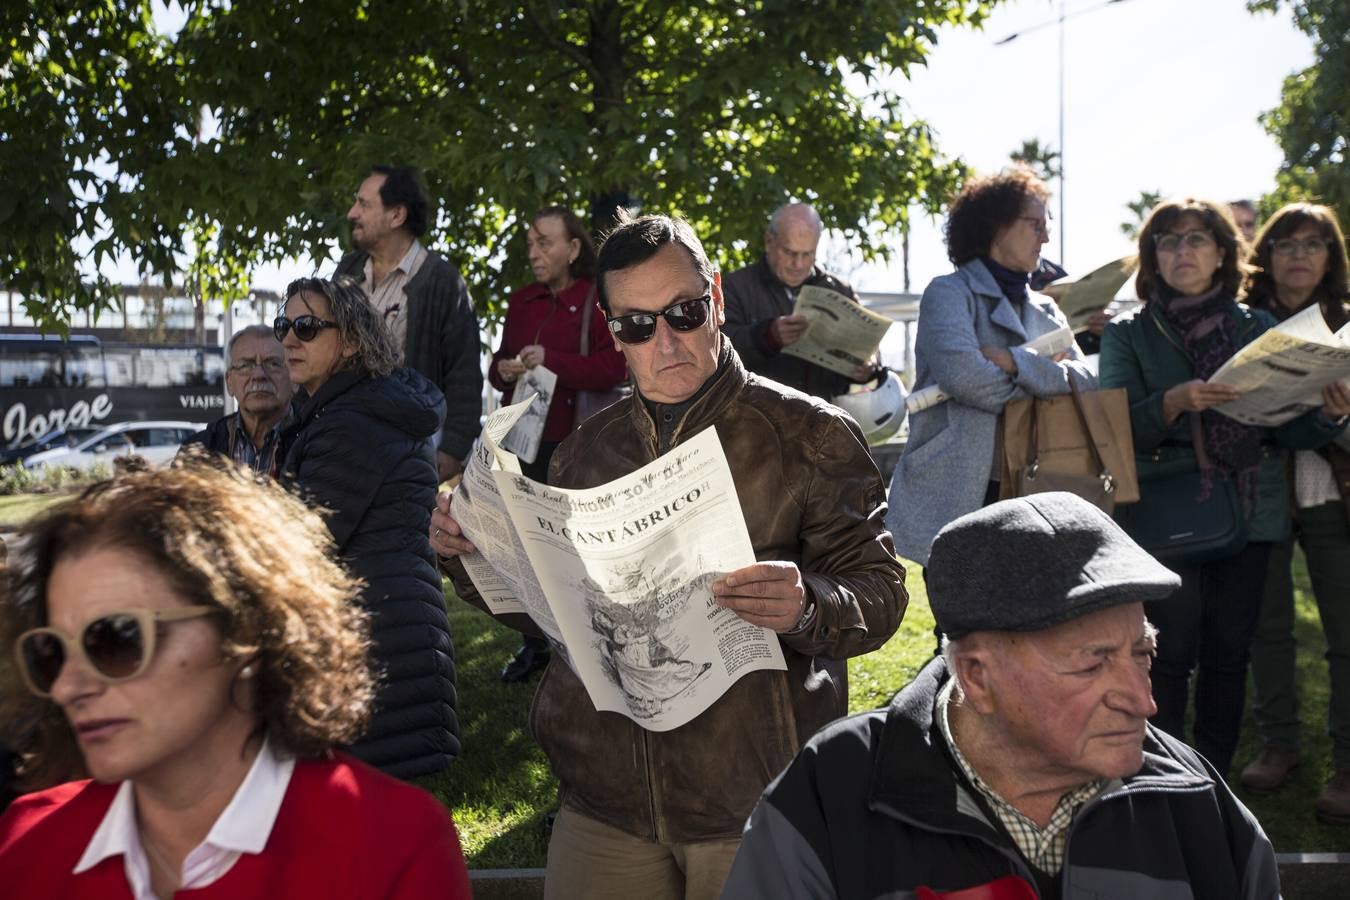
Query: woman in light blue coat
point(972, 324)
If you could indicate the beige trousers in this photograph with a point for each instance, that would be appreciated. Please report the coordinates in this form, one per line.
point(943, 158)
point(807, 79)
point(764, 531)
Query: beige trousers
point(588, 860)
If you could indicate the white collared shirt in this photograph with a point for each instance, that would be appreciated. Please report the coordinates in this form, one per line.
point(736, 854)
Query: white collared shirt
point(388, 298)
point(243, 827)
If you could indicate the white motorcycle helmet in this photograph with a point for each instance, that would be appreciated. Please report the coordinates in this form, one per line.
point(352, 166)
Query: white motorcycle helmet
point(878, 410)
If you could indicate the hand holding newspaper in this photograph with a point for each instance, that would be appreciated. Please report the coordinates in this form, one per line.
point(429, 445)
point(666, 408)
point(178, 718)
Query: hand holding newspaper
point(1048, 344)
point(619, 575)
point(842, 334)
point(1281, 374)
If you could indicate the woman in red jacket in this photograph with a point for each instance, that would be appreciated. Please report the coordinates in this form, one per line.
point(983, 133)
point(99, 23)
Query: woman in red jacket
point(544, 327)
point(186, 641)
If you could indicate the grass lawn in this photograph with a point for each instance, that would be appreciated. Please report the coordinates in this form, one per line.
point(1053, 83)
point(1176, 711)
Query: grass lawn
point(18, 507)
point(501, 788)
point(1287, 813)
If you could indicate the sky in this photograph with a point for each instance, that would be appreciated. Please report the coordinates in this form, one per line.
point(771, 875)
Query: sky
point(1159, 95)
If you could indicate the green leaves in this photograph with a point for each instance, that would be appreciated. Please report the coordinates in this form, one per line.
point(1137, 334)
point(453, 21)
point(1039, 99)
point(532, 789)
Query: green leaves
point(717, 110)
point(1312, 122)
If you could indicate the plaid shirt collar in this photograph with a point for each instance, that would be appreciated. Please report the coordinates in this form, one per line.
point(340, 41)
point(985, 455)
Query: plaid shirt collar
point(1042, 847)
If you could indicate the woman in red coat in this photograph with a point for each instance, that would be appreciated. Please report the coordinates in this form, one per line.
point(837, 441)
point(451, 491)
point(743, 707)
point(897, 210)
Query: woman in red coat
point(183, 638)
point(543, 327)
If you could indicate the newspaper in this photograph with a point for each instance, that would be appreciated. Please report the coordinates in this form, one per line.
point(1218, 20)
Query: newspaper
point(1281, 374)
point(1048, 344)
point(619, 575)
point(842, 334)
point(524, 437)
point(1079, 298)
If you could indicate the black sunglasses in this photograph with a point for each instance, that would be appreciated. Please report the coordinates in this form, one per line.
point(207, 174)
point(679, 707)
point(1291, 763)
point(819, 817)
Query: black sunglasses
point(638, 328)
point(307, 328)
point(116, 647)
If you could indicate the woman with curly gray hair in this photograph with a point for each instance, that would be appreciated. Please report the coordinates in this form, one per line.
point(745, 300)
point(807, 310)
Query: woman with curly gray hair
point(362, 453)
point(183, 639)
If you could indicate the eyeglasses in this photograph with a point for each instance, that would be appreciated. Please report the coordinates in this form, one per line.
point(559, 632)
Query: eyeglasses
point(269, 364)
point(1171, 242)
point(1042, 226)
point(116, 647)
point(307, 328)
point(638, 328)
point(1309, 246)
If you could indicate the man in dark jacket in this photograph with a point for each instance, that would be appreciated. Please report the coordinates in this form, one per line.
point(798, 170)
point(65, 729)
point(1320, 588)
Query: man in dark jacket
point(256, 377)
point(649, 813)
point(760, 299)
point(1021, 762)
point(423, 299)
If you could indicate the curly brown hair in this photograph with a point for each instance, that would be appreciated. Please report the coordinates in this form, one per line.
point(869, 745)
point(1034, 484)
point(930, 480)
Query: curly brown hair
point(359, 324)
point(986, 206)
point(1215, 218)
point(226, 539)
point(1335, 285)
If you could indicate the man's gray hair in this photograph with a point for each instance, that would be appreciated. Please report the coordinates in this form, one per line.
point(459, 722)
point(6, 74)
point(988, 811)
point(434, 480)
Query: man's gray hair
point(795, 211)
point(261, 331)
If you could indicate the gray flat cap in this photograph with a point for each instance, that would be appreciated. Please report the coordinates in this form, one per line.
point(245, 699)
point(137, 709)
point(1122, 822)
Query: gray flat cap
point(1034, 562)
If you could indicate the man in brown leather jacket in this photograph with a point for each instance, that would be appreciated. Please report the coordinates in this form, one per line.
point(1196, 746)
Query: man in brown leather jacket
point(659, 814)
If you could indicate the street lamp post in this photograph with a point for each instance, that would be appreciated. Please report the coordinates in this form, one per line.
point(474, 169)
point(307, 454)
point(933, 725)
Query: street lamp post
point(1058, 20)
point(1062, 191)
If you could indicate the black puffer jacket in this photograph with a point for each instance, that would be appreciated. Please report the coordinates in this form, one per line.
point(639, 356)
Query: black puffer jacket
point(362, 451)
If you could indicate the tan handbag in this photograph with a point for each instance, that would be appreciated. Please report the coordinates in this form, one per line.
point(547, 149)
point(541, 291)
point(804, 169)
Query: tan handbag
point(1078, 442)
point(588, 403)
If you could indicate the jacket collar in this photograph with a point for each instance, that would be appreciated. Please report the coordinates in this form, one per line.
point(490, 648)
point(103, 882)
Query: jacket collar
point(721, 388)
point(982, 284)
point(914, 778)
point(337, 383)
point(766, 275)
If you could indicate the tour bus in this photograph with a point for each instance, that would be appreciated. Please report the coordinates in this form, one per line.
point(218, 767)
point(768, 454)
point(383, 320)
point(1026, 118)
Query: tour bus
point(48, 383)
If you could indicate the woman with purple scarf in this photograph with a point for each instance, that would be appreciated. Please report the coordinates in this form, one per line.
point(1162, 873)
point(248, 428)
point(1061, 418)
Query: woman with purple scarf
point(1189, 272)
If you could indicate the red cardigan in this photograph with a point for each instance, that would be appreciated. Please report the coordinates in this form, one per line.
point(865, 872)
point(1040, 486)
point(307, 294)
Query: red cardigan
point(344, 830)
point(533, 316)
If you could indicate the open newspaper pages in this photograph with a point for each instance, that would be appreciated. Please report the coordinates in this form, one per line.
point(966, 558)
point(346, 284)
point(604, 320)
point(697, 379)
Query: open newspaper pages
point(619, 575)
point(842, 336)
point(525, 436)
point(1281, 374)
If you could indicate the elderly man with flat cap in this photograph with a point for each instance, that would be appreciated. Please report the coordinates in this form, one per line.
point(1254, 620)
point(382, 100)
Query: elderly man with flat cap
point(1021, 762)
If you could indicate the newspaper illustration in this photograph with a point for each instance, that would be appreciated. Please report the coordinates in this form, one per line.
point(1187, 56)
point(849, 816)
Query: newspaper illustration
point(524, 437)
point(1282, 372)
point(619, 575)
point(842, 335)
point(1048, 344)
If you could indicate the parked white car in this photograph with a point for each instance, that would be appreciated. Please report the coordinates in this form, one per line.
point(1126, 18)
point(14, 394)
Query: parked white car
point(157, 442)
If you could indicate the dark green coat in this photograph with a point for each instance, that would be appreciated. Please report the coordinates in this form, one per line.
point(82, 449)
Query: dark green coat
point(1144, 355)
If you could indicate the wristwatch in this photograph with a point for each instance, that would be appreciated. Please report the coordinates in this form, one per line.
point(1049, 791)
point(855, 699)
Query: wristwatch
point(805, 619)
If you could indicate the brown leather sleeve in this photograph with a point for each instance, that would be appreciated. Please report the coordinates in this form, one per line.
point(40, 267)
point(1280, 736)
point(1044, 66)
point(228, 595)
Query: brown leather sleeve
point(848, 561)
